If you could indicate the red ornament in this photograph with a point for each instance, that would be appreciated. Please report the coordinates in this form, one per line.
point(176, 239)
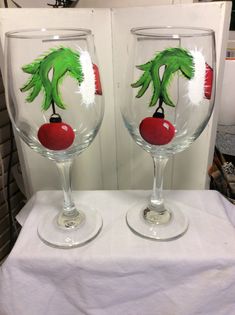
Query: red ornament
point(157, 131)
point(98, 88)
point(56, 135)
point(208, 82)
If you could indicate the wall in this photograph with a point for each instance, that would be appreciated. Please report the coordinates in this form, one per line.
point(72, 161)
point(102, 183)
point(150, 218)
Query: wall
point(10, 195)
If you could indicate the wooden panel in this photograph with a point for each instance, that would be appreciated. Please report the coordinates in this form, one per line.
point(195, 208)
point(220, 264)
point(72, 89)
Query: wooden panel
point(6, 161)
point(101, 166)
point(191, 166)
point(4, 250)
point(3, 181)
point(187, 170)
point(88, 172)
point(4, 118)
point(5, 133)
point(16, 197)
point(119, 3)
point(2, 100)
point(5, 148)
point(96, 3)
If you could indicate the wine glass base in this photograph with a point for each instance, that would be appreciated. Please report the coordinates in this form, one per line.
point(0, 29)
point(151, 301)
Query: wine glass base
point(55, 236)
point(173, 229)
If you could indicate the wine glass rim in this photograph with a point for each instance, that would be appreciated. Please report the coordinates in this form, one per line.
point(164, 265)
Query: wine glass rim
point(45, 33)
point(180, 31)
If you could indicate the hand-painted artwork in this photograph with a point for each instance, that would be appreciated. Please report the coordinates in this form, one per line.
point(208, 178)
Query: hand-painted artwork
point(192, 66)
point(59, 62)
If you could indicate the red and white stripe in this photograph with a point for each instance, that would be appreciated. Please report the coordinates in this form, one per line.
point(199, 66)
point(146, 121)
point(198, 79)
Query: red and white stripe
point(196, 84)
point(87, 88)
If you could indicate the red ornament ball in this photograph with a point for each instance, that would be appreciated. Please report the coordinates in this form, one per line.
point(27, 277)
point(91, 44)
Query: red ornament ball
point(208, 82)
point(56, 135)
point(98, 88)
point(157, 131)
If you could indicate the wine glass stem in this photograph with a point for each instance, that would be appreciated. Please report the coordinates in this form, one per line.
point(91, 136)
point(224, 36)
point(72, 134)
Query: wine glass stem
point(156, 200)
point(64, 169)
point(156, 213)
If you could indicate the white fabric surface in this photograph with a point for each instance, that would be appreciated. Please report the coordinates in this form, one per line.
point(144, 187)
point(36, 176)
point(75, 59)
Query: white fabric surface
point(119, 272)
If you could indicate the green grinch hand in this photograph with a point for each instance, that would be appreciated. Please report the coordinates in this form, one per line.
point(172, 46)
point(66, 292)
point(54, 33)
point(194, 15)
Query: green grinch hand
point(48, 71)
point(60, 61)
point(174, 60)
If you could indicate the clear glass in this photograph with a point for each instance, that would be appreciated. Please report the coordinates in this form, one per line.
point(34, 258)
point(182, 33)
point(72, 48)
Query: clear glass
point(55, 102)
point(170, 87)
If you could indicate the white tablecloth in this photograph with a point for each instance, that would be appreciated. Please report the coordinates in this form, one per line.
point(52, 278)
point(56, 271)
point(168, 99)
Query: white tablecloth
point(120, 273)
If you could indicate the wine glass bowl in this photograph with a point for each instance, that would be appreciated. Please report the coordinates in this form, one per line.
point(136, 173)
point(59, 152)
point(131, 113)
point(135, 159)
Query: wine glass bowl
point(32, 45)
point(169, 100)
point(55, 102)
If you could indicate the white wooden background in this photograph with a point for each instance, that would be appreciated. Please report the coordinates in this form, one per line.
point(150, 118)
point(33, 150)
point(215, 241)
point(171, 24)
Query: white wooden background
point(187, 170)
point(95, 3)
point(114, 161)
point(94, 169)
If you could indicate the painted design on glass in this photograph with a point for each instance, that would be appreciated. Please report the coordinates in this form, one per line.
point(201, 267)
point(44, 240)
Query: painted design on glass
point(47, 73)
point(63, 61)
point(192, 66)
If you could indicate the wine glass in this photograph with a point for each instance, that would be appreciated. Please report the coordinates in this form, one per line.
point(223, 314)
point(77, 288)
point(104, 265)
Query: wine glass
point(169, 101)
point(55, 103)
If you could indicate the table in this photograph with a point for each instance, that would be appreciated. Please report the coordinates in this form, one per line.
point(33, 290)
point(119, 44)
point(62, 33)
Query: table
point(119, 272)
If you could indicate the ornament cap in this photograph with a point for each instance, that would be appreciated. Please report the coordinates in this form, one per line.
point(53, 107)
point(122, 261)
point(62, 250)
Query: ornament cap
point(158, 115)
point(55, 118)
